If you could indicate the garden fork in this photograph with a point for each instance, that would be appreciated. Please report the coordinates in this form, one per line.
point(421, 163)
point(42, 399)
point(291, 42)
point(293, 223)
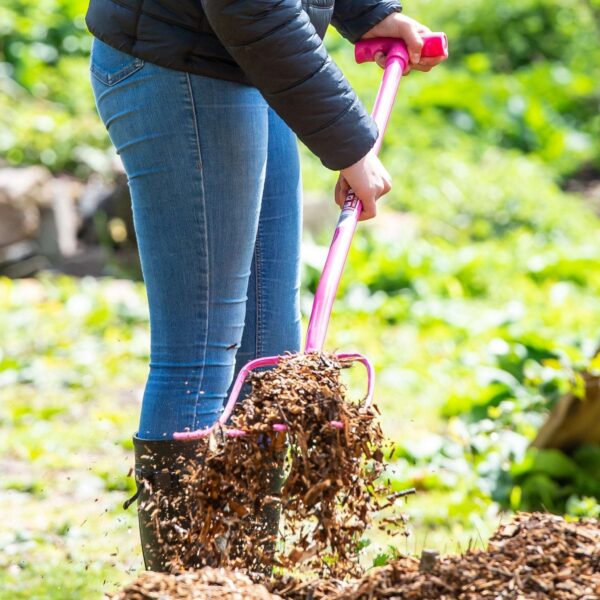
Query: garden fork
point(396, 63)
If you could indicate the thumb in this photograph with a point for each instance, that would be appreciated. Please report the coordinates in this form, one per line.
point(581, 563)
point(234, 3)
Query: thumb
point(414, 44)
point(380, 59)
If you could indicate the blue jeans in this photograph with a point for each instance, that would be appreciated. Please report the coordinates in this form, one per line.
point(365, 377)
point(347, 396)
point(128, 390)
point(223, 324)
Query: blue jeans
point(215, 188)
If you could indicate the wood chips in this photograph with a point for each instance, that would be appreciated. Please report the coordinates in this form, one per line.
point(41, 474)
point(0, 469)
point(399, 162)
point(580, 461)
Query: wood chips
point(322, 478)
point(535, 557)
point(325, 482)
point(206, 584)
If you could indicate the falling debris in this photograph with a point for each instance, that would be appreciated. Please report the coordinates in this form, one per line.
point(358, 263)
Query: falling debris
point(320, 471)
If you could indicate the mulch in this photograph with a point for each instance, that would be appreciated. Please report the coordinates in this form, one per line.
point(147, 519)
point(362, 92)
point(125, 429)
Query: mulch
point(535, 557)
point(324, 479)
point(206, 584)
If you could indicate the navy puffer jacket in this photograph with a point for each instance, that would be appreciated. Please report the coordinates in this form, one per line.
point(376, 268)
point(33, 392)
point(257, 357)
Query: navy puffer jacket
point(274, 45)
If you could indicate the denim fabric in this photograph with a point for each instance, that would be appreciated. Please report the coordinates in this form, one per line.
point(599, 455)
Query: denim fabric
point(215, 188)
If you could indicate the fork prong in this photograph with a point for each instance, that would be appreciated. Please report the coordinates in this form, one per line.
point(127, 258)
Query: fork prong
point(361, 358)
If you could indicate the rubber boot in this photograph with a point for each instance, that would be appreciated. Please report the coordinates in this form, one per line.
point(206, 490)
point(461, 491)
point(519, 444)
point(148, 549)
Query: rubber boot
point(159, 467)
point(262, 529)
point(163, 502)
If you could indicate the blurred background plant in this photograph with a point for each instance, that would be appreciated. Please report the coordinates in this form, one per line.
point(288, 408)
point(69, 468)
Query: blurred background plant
point(476, 291)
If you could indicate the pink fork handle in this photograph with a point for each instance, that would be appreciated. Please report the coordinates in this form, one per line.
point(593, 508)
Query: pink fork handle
point(434, 45)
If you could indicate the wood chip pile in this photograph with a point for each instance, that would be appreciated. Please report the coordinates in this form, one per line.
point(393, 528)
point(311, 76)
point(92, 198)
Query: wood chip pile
point(206, 584)
point(537, 556)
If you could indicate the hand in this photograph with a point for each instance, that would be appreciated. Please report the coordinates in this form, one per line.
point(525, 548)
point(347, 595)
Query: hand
point(368, 179)
point(400, 26)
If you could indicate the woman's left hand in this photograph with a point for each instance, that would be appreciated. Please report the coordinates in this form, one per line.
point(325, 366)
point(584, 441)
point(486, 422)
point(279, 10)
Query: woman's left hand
point(400, 26)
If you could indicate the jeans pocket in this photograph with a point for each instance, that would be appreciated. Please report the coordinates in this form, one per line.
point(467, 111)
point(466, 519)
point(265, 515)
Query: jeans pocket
point(110, 66)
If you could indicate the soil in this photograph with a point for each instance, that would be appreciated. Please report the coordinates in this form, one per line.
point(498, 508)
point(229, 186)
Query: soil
point(536, 556)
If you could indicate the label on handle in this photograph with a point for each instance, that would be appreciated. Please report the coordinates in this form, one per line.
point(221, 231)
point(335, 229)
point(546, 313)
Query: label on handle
point(351, 201)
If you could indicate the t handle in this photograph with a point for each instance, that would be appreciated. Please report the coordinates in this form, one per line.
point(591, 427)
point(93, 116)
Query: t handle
point(434, 45)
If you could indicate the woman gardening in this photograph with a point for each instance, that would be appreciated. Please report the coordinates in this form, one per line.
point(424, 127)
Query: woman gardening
point(204, 101)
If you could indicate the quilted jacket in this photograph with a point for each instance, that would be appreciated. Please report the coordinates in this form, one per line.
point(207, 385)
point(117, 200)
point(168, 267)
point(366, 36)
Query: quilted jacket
point(274, 45)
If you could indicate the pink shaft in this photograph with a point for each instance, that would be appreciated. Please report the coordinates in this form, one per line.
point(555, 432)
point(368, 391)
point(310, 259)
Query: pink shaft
point(346, 225)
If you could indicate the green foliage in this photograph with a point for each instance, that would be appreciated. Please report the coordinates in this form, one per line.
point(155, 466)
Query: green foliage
point(522, 75)
point(516, 33)
point(73, 357)
point(46, 107)
point(510, 321)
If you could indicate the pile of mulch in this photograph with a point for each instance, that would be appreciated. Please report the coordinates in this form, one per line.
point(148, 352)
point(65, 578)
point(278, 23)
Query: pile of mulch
point(206, 584)
point(537, 556)
point(323, 479)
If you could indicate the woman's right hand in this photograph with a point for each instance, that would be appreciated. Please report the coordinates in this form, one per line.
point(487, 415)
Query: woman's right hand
point(368, 179)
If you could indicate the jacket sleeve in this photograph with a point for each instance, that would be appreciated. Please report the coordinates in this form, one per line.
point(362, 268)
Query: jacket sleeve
point(277, 47)
point(353, 18)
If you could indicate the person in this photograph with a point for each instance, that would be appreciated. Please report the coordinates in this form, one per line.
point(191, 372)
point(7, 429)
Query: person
point(204, 101)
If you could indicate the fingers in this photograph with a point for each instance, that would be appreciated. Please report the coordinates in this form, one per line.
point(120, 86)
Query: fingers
point(426, 64)
point(380, 59)
point(422, 68)
point(369, 204)
point(431, 61)
point(341, 191)
point(387, 183)
point(417, 62)
point(369, 210)
point(414, 44)
point(368, 179)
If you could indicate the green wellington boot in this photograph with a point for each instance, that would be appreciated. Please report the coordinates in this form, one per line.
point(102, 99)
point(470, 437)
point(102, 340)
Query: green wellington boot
point(257, 542)
point(162, 502)
point(159, 467)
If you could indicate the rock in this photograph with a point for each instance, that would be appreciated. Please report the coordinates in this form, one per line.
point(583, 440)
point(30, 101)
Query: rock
point(21, 193)
point(428, 560)
point(60, 219)
point(102, 204)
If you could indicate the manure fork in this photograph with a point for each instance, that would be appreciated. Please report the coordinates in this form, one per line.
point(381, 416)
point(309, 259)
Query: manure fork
point(435, 44)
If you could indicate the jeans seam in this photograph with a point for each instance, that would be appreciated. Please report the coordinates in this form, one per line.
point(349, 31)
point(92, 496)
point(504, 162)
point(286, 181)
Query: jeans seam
point(258, 295)
point(195, 120)
point(205, 235)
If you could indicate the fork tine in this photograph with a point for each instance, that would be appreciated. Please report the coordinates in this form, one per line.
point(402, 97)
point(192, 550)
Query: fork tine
point(361, 358)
